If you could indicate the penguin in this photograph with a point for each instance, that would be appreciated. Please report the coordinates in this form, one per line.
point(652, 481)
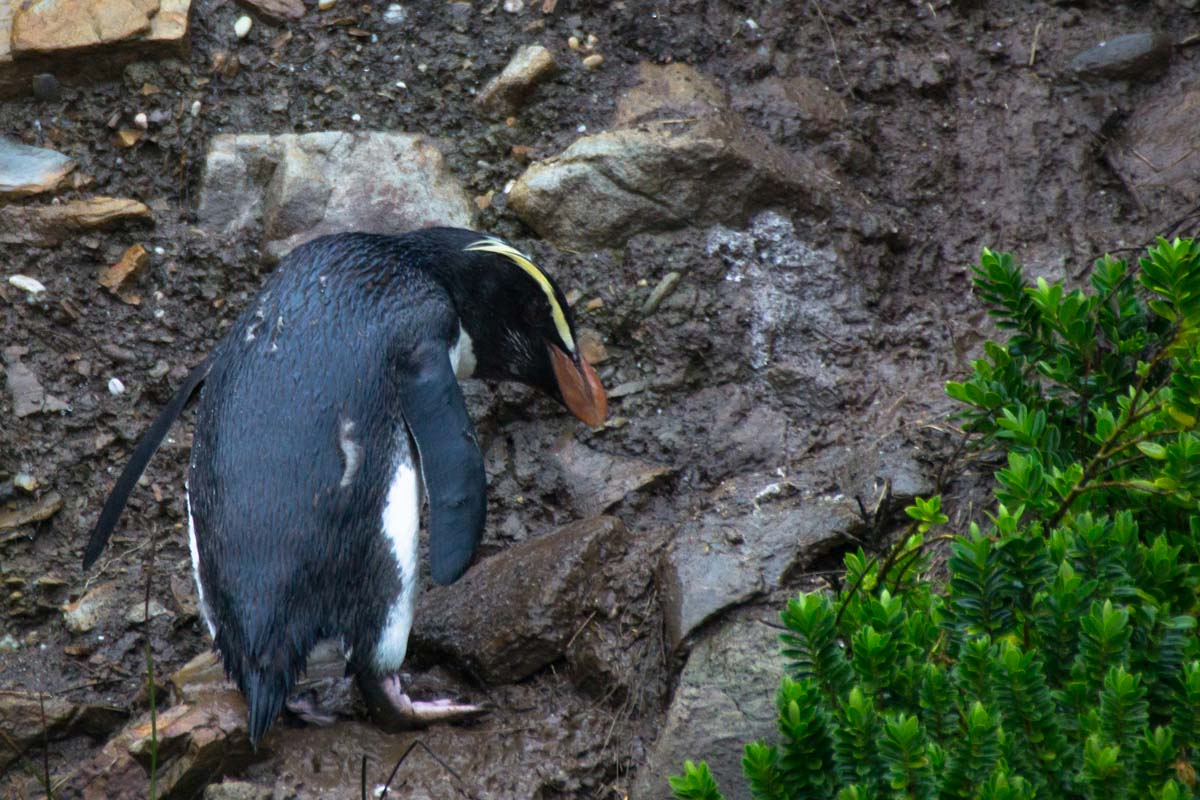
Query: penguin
point(328, 417)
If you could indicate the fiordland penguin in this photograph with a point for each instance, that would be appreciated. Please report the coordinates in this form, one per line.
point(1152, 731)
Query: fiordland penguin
point(326, 416)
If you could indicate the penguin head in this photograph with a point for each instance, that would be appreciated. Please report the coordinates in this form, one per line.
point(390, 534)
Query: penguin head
point(521, 328)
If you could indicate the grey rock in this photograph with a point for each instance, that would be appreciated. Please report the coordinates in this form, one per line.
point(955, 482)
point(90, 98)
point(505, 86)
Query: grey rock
point(1157, 154)
point(277, 10)
point(597, 481)
point(663, 175)
point(83, 615)
point(28, 395)
point(1134, 56)
point(725, 699)
point(9, 644)
point(138, 613)
point(505, 93)
point(26, 170)
point(237, 790)
point(514, 613)
point(298, 187)
point(46, 87)
point(760, 529)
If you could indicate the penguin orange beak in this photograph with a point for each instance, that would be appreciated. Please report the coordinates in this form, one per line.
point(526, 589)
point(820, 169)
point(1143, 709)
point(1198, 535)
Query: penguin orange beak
point(580, 387)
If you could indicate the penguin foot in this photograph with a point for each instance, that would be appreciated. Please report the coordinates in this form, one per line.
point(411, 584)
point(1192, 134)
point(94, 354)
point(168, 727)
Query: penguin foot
point(307, 708)
point(391, 707)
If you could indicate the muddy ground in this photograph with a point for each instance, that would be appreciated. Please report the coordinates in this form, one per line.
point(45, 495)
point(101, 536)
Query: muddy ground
point(941, 127)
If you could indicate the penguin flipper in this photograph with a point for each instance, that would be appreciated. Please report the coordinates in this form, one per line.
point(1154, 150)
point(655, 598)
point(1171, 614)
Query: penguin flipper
point(451, 464)
point(115, 504)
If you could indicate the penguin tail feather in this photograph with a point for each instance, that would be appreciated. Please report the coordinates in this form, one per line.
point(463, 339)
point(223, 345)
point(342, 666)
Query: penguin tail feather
point(115, 504)
point(265, 694)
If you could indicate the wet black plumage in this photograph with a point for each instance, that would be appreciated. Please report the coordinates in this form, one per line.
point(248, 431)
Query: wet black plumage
point(351, 330)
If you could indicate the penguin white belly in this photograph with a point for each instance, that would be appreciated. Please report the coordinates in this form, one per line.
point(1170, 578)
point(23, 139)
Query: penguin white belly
point(401, 523)
point(204, 612)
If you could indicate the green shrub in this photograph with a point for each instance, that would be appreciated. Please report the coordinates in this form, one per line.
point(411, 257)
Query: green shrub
point(1060, 659)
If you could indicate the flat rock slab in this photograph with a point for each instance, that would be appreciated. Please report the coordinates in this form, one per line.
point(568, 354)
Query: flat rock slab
point(46, 226)
point(197, 741)
point(759, 529)
point(79, 40)
point(597, 481)
point(516, 612)
point(26, 170)
point(296, 187)
point(27, 719)
point(725, 699)
point(662, 175)
point(1159, 153)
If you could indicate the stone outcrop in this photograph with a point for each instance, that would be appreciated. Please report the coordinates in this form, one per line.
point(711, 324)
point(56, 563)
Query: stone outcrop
point(297, 187)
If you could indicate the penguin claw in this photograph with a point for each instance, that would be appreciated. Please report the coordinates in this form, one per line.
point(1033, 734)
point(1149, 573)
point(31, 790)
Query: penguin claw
point(395, 709)
point(310, 710)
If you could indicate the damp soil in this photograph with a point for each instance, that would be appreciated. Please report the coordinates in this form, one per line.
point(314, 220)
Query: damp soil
point(942, 128)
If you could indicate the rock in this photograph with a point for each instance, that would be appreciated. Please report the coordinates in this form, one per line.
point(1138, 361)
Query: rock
point(725, 699)
point(28, 396)
point(241, 27)
point(504, 94)
point(55, 25)
point(594, 61)
point(1156, 154)
point(138, 613)
point(27, 719)
point(277, 10)
point(46, 87)
point(237, 790)
point(46, 226)
point(299, 187)
point(85, 39)
point(196, 741)
point(9, 644)
point(31, 286)
point(676, 90)
point(757, 532)
point(664, 175)
point(83, 615)
point(661, 291)
point(514, 613)
point(120, 276)
point(598, 481)
point(46, 507)
point(26, 170)
point(1134, 56)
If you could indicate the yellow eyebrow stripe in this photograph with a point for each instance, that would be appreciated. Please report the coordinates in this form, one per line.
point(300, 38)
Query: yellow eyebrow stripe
point(521, 260)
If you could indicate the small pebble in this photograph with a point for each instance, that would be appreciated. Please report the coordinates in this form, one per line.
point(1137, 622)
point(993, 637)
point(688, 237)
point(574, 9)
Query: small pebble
point(115, 387)
point(242, 26)
point(196, 109)
point(593, 61)
point(395, 14)
point(25, 481)
point(27, 284)
point(356, 117)
point(664, 288)
point(46, 87)
point(325, 5)
point(514, 6)
point(141, 120)
point(573, 42)
point(8, 644)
